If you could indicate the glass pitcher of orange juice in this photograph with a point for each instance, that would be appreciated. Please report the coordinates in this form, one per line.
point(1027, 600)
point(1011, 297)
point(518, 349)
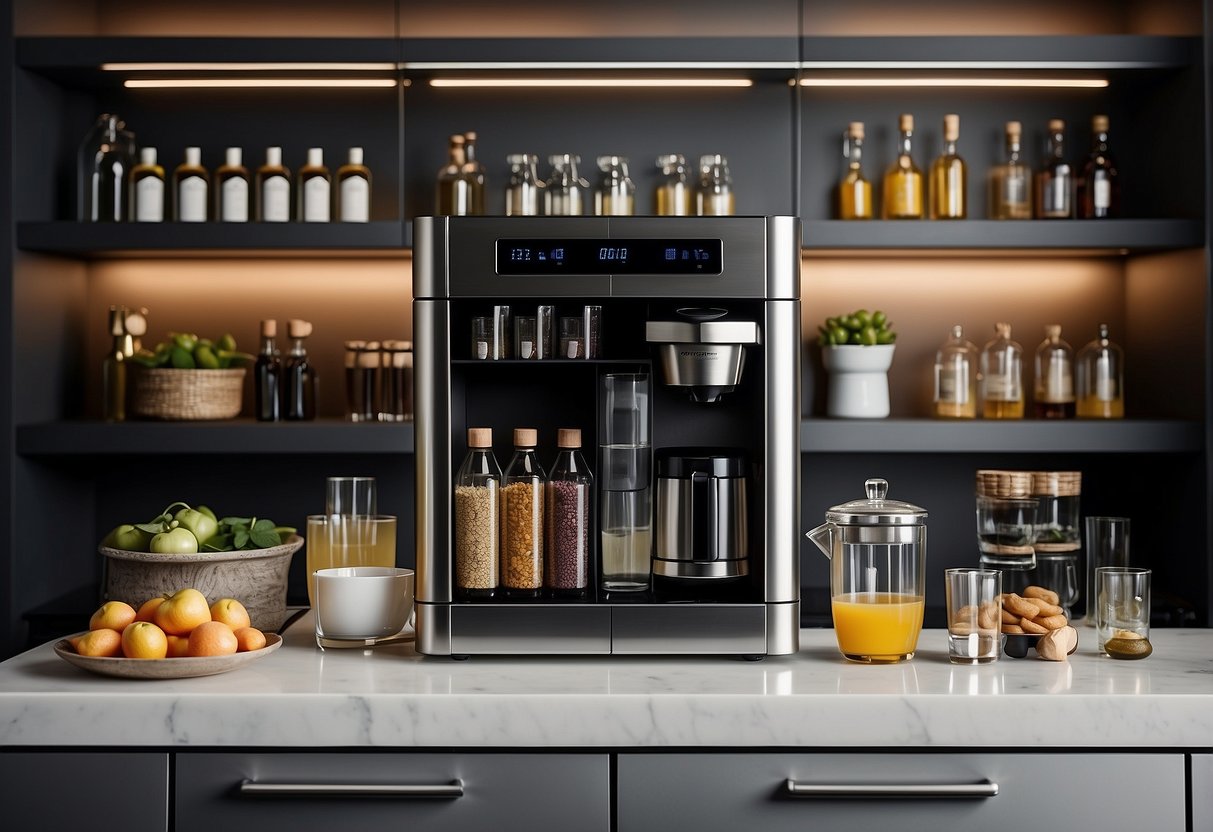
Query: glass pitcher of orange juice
point(877, 549)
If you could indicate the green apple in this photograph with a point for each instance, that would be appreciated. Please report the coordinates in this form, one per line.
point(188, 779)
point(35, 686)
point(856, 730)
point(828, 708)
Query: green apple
point(178, 541)
point(127, 537)
point(203, 526)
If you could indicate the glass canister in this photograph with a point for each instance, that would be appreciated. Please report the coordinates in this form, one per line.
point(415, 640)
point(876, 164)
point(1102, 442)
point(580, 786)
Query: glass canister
point(564, 192)
point(1054, 397)
point(522, 194)
point(397, 374)
point(1057, 517)
point(568, 514)
point(522, 519)
point(674, 196)
point(1006, 518)
point(477, 521)
point(877, 549)
point(715, 195)
point(361, 380)
point(615, 195)
point(1100, 367)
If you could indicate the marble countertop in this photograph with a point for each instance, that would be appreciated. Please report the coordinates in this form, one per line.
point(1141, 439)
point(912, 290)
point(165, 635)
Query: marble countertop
point(301, 696)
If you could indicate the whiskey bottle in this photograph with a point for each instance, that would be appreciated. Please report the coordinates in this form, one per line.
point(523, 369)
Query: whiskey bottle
point(299, 387)
point(267, 375)
point(1054, 366)
point(315, 188)
point(232, 188)
point(1000, 384)
point(1101, 381)
point(1099, 187)
point(354, 189)
point(674, 196)
point(949, 180)
point(854, 191)
point(113, 368)
point(273, 196)
point(190, 186)
point(453, 192)
point(1055, 180)
point(903, 191)
point(956, 377)
point(1011, 181)
point(147, 188)
point(473, 172)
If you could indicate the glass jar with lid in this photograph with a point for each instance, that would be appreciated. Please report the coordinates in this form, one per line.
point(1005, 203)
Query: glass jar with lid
point(361, 380)
point(477, 519)
point(564, 192)
point(1057, 517)
point(715, 195)
point(568, 501)
point(1101, 379)
point(397, 373)
point(674, 196)
point(522, 193)
point(522, 519)
point(1000, 384)
point(1054, 367)
point(1006, 518)
point(615, 195)
point(956, 377)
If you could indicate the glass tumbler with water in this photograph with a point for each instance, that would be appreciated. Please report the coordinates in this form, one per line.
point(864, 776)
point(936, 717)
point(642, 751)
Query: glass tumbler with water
point(625, 468)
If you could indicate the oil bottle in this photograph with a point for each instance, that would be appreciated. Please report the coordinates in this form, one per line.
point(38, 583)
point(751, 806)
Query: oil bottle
point(267, 375)
point(299, 389)
point(113, 368)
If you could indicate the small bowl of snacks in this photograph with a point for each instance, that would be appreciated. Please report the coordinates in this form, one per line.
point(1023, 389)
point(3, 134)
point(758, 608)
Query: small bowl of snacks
point(1034, 622)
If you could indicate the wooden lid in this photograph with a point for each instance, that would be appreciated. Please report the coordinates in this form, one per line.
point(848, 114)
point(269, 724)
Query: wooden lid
point(1057, 483)
point(480, 437)
point(906, 122)
point(568, 438)
point(525, 437)
point(297, 328)
point(951, 127)
point(1006, 484)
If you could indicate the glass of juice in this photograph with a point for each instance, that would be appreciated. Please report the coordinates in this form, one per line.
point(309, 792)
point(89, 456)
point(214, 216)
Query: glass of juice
point(348, 540)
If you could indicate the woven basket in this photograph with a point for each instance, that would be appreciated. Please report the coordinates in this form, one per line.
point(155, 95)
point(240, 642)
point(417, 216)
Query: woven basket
point(188, 394)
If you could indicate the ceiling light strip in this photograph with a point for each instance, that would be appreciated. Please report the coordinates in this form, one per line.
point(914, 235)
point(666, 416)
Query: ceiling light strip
point(913, 66)
point(1066, 83)
point(256, 83)
point(250, 66)
point(591, 82)
point(450, 66)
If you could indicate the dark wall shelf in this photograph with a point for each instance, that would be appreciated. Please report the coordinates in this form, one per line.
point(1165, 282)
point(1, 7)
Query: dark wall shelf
point(1112, 236)
point(721, 52)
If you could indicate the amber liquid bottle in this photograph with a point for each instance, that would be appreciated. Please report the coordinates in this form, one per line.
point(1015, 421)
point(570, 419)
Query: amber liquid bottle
point(190, 185)
point(854, 191)
point(232, 188)
point(299, 388)
point(1054, 392)
point(267, 375)
point(114, 368)
point(1099, 187)
point(453, 191)
point(273, 197)
point(1001, 380)
point(315, 188)
point(903, 187)
point(1055, 181)
point(353, 189)
point(949, 179)
point(1011, 181)
point(147, 188)
point(473, 172)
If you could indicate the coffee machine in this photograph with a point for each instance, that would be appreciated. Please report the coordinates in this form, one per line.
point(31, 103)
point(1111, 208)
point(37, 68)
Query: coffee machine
point(686, 391)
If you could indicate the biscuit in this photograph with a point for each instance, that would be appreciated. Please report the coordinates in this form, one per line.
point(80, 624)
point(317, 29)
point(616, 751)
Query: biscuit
point(1012, 629)
point(1021, 606)
point(1042, 593)
point(1052, 622)
point(1030, 626)
point(1047, 609)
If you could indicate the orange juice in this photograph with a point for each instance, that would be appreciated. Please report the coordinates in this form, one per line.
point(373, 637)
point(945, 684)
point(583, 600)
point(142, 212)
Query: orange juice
point(368, 540)
point(877, 626)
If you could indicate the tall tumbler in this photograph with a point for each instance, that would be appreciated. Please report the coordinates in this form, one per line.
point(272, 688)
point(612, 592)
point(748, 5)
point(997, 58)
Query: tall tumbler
point(625, 466)
point(1107, 544)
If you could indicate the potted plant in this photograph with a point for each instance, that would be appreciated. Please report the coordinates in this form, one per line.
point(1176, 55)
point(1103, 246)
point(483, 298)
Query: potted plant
point(857, 350)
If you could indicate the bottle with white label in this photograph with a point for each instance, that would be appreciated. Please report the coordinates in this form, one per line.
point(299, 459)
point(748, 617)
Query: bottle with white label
point(956, 377)
point(191, 184)
point(273, 197)
point(1000, 384)
point(1101, 379)
point(147, 188)
point(354, 189)
point(1099, 186)
point(232, 189)
point(315, 188)
point(1054, 390)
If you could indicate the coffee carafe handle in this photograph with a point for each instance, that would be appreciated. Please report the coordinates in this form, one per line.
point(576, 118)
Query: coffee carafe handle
point(704, 514)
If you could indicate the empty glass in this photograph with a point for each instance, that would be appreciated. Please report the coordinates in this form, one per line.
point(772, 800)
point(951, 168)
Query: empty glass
point(350, 495)
point(1107, 544)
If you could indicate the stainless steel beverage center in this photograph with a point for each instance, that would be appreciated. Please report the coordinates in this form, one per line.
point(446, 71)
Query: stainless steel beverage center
point(672, 344)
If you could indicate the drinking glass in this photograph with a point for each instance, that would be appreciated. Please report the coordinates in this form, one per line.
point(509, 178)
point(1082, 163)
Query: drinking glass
point(974, 607)
point(1121, 603)
point(350, 495)
point(335, 540)
point(1107, 544)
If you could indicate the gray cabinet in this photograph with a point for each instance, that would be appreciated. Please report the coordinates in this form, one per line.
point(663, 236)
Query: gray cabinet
point(907, 792)
point(1201, 789)
point(84, 790)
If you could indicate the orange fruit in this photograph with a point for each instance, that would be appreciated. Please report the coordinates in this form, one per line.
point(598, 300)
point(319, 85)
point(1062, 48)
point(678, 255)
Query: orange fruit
point(112, 615)
point(148, 608)
point(212, 638)
point(249, 639)
point(181, 612)
point(144, 640)
point(103, 642)
point(231, 612)
point(178, 647)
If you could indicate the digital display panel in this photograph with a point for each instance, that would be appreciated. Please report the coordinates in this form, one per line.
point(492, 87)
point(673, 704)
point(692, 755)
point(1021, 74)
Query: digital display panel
point(590, 256)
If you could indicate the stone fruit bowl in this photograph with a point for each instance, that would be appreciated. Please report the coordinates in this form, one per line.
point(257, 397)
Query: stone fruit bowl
point(255, 577)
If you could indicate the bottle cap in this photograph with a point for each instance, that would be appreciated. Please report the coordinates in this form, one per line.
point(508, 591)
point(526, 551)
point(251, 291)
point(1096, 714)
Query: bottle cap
point(193, 156)
point(233, 157)
point(469, 136)
point(273, 156)
point(480, 437)
point(315, 156)
point(269, 328)
point(1014, 128)
point(297, 328)
point(1056, 125)
point(1053, 331)
point(951, 127)
point(906, 123)
point(355, 155)
point(1099, 123)
point(568, 438)
point(525, 437)
point(147, 155)
point(856, 129)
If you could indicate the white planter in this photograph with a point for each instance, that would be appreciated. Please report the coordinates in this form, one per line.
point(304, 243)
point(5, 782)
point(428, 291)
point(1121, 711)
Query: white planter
point(859, 381)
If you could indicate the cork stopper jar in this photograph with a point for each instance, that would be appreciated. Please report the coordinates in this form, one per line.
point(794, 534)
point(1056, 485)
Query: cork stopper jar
point(568, 499)
point(522, 525)
point(476, 552)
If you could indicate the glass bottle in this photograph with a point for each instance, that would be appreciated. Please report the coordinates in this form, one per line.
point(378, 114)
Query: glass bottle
point(104, 162)
point(615, 195)
point(1099, 187)
point(903, 191)
point(567, 511)
point(113, 368)
point(522, 192)
point(564, 192)
point(1054, 366)
point(473, 172)
point(522, 519)
point(267, 375)
point(191, 184)
point(273, 198)
point(1011, 181)
point(146, 196)
point(673, 196)
point(1100, 369)
point(854, 191)
point(362, 380)
point(315, 188)
point(232, 188)
point(949, 179)
point(353, 191)
point(1000, 383)
point(453, 192)
point(477, 519)
point(300, 383)
point(956, 377)
point(1055, 180)
point(715, 195)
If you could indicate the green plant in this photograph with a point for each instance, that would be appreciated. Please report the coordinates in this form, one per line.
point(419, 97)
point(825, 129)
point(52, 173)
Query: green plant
point(861, 328)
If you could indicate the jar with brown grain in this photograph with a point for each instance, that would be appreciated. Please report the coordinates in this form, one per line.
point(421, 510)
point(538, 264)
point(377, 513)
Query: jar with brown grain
point(477, 496)
point(567, 512)
point(522, 519)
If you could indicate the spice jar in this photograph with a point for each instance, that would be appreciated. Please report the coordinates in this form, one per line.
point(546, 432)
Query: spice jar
point(567, 514)
point(1057, 516)
point(522, 519)
point(397, 376)
point(361, 380)
point(477, 494)
point(1006, 517)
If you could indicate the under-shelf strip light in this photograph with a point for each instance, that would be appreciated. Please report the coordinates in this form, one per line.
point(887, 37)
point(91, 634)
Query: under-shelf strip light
point(1067, 83)
point(591, 82)
point(255, 83)
point(260, 66)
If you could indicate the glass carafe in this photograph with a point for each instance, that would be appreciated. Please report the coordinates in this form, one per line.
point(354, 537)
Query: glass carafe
point(1001, 381)
point(674, 196)
point(1054, 367)
point(477, 520)
point(564, 192)
point(522, 519)
point(569, 516)
point(615, 195)
point(522, 193)
point(956, 377)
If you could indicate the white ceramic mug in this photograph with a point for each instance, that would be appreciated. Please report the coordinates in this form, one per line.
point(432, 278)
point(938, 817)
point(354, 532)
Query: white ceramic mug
point(362, 602)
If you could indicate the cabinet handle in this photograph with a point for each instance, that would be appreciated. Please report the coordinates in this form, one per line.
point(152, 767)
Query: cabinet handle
point(442, 790)
point(961, 791)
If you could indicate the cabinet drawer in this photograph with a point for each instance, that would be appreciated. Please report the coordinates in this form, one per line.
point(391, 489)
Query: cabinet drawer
point(754, 791)
point(391, 791)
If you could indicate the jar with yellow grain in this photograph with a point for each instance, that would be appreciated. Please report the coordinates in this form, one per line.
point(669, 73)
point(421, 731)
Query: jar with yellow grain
point(522, 528)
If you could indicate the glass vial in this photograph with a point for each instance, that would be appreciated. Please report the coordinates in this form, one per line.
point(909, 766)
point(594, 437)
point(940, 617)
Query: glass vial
point(362, 362)
point(903, 187)
point(397, 376)
point(1099, 187)
point(353, 189)
point(1055, 181)
point(949, 180)
point(854, 190)
point(452, 191)
point(147, 188)
point(482, 338)
point(615, 195)
point(522, 192)
point(522, 519)
point(1000, 384)
point(572, 343)
point(1054, 366)
point(567, 511)
point(674, 196)
point(273, 197)
point(715, 195)
point(525, 338)
point(1011, 181)
point(267, 375)
point(191, 184)
point(956, 377)
point(105, 159)
point(114, 368)
point(564, 192)
point(477, 509)
point(315, 188)
point(299, 388)
point(1100, 369)
point(232, 189)
point(473, 172)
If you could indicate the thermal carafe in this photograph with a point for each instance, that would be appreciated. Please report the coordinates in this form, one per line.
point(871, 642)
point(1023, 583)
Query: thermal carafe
point(702, 514)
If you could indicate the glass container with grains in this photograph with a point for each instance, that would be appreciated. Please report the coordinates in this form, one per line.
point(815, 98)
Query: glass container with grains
point(477, 495)
point(522, 519)
point(567, 514)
